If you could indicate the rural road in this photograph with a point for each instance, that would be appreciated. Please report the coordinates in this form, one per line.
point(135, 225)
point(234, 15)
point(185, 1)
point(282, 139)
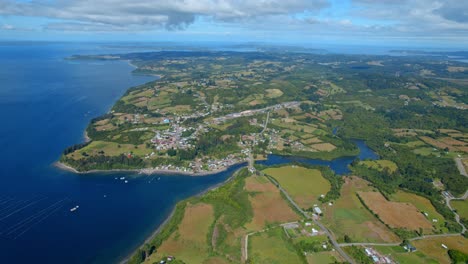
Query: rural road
point(460, 166)
point(298, 208)
point(266, 122)
point(396, 244)
point(457, 217)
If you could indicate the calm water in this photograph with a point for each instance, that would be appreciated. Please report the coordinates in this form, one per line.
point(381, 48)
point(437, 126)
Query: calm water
point(45, 104)
point(339, 165)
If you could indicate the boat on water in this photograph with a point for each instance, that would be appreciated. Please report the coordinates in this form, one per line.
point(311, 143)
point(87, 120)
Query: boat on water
point(74, 208)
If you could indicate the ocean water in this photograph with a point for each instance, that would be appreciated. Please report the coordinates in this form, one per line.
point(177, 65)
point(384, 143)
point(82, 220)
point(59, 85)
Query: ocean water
point(46, 103)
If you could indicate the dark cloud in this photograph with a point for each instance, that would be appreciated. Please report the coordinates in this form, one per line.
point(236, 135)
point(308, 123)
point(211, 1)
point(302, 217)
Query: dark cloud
point(454, 10)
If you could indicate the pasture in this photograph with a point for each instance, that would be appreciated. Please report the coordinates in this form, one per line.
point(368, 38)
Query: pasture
point(461, 207)
point(424, 206)
point(272, 247)
point(348, 216)
point(189, 242)
point(304, 185)
point(432, 247)
point(395, 214)
point(267, 203)
point(380, 165)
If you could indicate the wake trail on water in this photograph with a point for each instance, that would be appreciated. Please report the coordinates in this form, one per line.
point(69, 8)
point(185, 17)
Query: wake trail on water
point(21, 227)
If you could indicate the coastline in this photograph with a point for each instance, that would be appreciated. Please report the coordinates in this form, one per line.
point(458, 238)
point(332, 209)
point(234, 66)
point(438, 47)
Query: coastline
point(145, 171)
point(171, 214)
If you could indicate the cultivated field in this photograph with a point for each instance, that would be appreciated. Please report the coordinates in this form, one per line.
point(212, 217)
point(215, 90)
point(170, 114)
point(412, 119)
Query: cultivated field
point(348, 216)
point(401, 256)
point(433, 247)
point(424, 206)
point(395, 214)
point(272, 247)
point(189, 242)
point(461, 207)
point(304, 185)
point(324, 257)
point(267, 203)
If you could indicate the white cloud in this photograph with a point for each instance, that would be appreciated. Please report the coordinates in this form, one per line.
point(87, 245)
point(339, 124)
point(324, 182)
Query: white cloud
point(172, 14)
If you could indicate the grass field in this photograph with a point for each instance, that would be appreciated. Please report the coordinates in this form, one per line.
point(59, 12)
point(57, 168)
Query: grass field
point(398, 254)
point(272, 247)
point(189, 242)
point(423, 205)
point(380, 165)
point(348, 216)
point(304, 185)
point(273, 93)
point(461, 207)
point(267, 204)
point(433, 247)
point(323, 257)
point(110, 149)
point(395, 214)
point(323, 147)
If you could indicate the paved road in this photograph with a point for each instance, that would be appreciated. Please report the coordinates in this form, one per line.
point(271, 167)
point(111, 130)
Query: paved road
point(457, 217)
point(298, 208)
point(266, 122)
point(397, 244)
point(460, 167)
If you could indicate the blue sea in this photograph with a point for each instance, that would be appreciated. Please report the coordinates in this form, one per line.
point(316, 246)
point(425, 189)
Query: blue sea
point(46, 103)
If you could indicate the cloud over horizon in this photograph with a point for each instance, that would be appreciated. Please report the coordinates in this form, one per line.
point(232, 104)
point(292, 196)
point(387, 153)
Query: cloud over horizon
point(391, 19)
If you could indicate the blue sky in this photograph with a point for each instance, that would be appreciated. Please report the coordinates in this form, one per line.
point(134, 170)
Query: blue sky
point(434, 23)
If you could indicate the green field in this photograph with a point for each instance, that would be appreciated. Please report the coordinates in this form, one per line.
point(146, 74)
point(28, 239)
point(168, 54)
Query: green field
point(348, 216)
point(380, 165)
point(303, 184)
point(272, 247)
point(112, 149)
point(397, 253)
point(461, 207)
point(322, 257)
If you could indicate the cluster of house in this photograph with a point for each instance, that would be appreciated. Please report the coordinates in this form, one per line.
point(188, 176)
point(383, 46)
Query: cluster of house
point(219, 164)
point(171, 138)
point(377, 257)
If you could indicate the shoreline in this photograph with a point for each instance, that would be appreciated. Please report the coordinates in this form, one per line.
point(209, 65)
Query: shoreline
point(145, 171)
point(171, 214)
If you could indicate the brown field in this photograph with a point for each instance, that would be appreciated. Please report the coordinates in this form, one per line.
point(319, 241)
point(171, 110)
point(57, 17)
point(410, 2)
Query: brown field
point(323, 147)
point(452, 142)
point(349, 217)
point(447, 131)
point(432, 247)
point(395, 214)
point(267, 204)
point(447, 142)
point(436, 143)
point(189, 243)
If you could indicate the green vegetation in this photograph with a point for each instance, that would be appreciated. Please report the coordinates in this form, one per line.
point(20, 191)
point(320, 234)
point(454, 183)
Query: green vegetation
point(273, 246)
point(457, 256)
point(358, 254)
point(304, 185)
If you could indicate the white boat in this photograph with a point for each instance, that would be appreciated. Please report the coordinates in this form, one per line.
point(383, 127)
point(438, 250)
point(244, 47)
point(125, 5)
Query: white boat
point(74, 208)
